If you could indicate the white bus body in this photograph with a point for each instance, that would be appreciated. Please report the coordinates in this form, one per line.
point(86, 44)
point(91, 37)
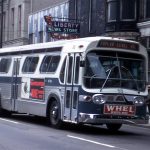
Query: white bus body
point(95, 80)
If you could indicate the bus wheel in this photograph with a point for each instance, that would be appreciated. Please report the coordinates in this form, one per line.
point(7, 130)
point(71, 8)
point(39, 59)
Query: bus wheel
point(1, 111)
point(54, 115)
point(113, 127)
point(4, 113)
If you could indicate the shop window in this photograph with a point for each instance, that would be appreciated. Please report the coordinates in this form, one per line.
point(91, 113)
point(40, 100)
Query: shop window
point(128, 10)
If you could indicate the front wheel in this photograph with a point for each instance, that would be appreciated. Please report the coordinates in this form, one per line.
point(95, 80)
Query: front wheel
point(113, 127)
point(54, 115)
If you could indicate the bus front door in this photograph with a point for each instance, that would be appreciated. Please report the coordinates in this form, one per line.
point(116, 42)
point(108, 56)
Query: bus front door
point(72, 86)
point(15, 82)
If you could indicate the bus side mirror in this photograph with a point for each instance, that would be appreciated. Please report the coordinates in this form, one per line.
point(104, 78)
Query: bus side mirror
point(82, 63)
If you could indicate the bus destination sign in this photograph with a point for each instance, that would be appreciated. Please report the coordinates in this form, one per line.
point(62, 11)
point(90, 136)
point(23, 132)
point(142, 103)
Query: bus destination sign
point(118, 44)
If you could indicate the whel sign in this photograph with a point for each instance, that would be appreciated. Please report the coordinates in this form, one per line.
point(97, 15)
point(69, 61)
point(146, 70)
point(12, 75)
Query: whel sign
point(64, 27)
point(111, 109)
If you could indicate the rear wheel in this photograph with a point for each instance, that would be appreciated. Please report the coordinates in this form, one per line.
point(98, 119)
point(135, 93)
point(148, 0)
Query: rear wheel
point(1, 111)
point(4, 113)
point(113, 127)
point(54, 115)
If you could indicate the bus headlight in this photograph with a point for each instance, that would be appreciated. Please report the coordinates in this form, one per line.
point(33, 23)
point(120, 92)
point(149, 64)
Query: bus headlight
point(99, 99)
point(139, 100)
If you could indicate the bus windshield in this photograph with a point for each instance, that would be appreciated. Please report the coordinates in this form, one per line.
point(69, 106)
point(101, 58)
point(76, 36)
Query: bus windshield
point(114, 69)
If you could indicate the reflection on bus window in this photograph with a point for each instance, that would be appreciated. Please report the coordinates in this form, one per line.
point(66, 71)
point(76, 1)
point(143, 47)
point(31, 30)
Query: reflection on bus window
point(62, 72)
point(114, 70)
point(49, 64)
point(4, 65)
point(30, 64)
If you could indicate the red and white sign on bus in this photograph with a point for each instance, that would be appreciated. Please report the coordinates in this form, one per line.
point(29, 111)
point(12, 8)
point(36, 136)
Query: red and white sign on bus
point(119, 109)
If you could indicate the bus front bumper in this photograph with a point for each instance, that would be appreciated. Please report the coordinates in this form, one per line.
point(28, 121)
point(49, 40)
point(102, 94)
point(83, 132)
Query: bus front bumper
point(102, 119)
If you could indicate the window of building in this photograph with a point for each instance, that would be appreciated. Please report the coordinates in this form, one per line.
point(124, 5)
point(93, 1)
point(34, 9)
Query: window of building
point(19, 20)
point(111, 10)
point(49, 64)
point(30, 64)
point(147, 4)
point(41, 37)
point(48, 37)
point(4, 25)
point(12, 22)
point(91, 15)
point(145, 41)
point(128, 10)
point(77, 9)
point(31, 38)
point(4, 65)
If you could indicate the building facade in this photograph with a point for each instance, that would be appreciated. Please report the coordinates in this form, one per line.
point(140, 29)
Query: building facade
point(14, 22)
point(121, 18)
point(15, 19)
point(144, 26)
point(38, 27)
point(90, 14)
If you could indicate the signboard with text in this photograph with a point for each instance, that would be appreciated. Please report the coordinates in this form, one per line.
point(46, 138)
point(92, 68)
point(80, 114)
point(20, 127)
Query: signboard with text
point(63, 27)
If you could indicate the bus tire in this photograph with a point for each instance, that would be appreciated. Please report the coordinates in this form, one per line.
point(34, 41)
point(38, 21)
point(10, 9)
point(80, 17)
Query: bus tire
point(54, 115)
point(113, 126)
point(4, 113)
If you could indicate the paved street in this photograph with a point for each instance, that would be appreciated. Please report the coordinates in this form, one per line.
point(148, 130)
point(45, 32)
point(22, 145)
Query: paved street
point(31, 133)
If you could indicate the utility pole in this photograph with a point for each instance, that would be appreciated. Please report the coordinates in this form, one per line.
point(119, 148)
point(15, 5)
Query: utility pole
point(1, 32)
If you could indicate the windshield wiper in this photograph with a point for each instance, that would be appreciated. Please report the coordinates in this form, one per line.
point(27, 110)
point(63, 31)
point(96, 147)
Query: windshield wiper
point(110, 70)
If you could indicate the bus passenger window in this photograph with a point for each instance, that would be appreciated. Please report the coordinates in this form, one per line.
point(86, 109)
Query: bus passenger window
point(77, 69)
point(49, 64)
point(5, 64)
point(70, 63)
point(30, 64)
point(62, 72)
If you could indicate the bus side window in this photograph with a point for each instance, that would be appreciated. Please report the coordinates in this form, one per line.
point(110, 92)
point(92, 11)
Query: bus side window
point(49, 64)
point(70, 63)
point(53, 64)
point(30, 64)
point(62, 72)
point(5, 64)
point(77, 70)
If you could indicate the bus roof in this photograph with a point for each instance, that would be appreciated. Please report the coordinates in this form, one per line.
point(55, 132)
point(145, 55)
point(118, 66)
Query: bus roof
point(70, 43)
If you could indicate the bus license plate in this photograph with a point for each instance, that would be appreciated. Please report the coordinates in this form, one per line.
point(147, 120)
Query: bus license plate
point(112, 109)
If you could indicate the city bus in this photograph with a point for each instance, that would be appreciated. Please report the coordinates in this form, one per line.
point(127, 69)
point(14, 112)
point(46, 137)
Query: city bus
point(93, 80)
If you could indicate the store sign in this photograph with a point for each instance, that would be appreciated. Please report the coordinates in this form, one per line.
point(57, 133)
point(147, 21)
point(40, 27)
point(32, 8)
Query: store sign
point(62, 26)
